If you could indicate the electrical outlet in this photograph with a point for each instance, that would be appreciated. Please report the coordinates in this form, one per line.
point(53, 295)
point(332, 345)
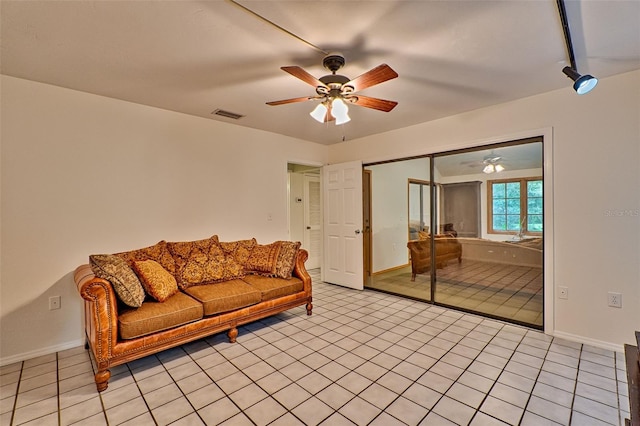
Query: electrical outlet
point(615, 299)
point(563, 292)
point(54, 303)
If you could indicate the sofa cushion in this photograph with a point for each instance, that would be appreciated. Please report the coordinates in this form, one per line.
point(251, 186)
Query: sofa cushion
point(271, 288)
point(224, 296)
point(157, 281)
point(263, 258)
point(239, 250)
point(203, 261)
point(286, 260)
point(154, 316)
point(124, 281)
point(158, 252)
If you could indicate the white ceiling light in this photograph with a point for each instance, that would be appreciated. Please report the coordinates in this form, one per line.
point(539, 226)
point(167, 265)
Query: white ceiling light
point(492, 165)
point(340, 111)
point(319, 112)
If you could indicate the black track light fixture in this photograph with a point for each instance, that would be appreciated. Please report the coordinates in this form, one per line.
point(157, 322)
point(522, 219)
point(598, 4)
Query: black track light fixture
point(581, 83)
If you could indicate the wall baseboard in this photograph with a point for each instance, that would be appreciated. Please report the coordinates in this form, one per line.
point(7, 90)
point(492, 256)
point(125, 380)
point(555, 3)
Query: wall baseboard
point(40, 352)
point(395, 268)
point(587, 341)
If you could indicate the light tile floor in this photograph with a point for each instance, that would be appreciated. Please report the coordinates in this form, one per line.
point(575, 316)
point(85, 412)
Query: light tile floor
point(363, 357)
point(506, 291)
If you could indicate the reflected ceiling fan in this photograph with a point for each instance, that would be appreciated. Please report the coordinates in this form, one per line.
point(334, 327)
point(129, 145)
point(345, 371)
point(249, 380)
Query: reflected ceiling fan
point(335, 91)
point(491, 163)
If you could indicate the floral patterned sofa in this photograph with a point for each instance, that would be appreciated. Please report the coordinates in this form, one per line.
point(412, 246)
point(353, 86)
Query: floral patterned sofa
point(143, 301)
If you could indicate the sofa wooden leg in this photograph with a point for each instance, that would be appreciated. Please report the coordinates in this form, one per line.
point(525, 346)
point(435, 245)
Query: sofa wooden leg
point(232, 334)
point(413, 277)
point(86, 344)
point(102, 379)
point(309, 307)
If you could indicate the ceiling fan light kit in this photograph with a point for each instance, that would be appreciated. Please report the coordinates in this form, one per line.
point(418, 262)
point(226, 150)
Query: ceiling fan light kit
point(493, 168)
point(492, 164)
point(319, 113)
point(335, 91)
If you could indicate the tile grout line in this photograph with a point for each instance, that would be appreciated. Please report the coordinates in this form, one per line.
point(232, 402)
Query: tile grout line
point(179, 388)
point(15, 401)
point(536, 382)
point(58, 387)
point(486, 395)
point(93, 371)
point(141, 393)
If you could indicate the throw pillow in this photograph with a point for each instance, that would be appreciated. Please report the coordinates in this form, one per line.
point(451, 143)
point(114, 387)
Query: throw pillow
point(286, 260)
point(263, 258)
point(157, 281)
point(158, 252)
point(239, 250)
point(125, 282)
point(199, 262)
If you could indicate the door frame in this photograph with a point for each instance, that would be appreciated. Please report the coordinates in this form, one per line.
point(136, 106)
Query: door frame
point(549, 289)
point(307, 178)
point(303, 163)
point(366, 227)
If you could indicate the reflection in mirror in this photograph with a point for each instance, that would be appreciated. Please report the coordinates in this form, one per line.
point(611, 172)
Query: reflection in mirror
point(486, 256)
point(419, 208)
point(398, 212)
point(490, 208)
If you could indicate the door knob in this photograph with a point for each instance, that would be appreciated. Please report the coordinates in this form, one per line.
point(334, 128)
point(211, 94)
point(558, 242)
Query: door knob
point(357, 231)
point(308, 227)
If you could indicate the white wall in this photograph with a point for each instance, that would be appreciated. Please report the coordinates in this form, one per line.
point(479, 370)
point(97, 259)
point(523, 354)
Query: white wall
point(596, 195)
point(85, 174)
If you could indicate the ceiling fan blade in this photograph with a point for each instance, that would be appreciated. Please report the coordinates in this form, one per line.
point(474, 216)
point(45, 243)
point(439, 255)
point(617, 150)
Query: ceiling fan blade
point(377, 75)
point(290, 101)
point(303, 75)
point(374, 103)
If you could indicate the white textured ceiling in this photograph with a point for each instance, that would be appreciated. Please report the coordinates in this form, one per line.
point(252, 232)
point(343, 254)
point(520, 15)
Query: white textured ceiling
point(195, 57)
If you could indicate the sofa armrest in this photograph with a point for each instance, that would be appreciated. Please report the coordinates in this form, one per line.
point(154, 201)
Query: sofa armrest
point(300, 270)
point(100, 312)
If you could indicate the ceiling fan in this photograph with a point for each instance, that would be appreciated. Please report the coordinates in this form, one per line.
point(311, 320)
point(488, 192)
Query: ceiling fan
point(335, 91)
point(490, 163)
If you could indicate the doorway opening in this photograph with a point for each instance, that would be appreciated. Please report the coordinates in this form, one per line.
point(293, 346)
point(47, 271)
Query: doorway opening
point(304, 189)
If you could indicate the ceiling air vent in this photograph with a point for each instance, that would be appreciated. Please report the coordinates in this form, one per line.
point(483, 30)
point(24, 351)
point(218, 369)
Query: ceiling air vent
point(227, 114)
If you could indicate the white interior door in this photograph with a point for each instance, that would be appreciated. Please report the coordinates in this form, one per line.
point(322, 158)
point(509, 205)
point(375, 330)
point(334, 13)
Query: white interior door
point(312, 221)
point(343, 250)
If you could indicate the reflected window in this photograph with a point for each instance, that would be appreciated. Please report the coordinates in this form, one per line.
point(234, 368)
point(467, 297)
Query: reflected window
point(515, 206)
